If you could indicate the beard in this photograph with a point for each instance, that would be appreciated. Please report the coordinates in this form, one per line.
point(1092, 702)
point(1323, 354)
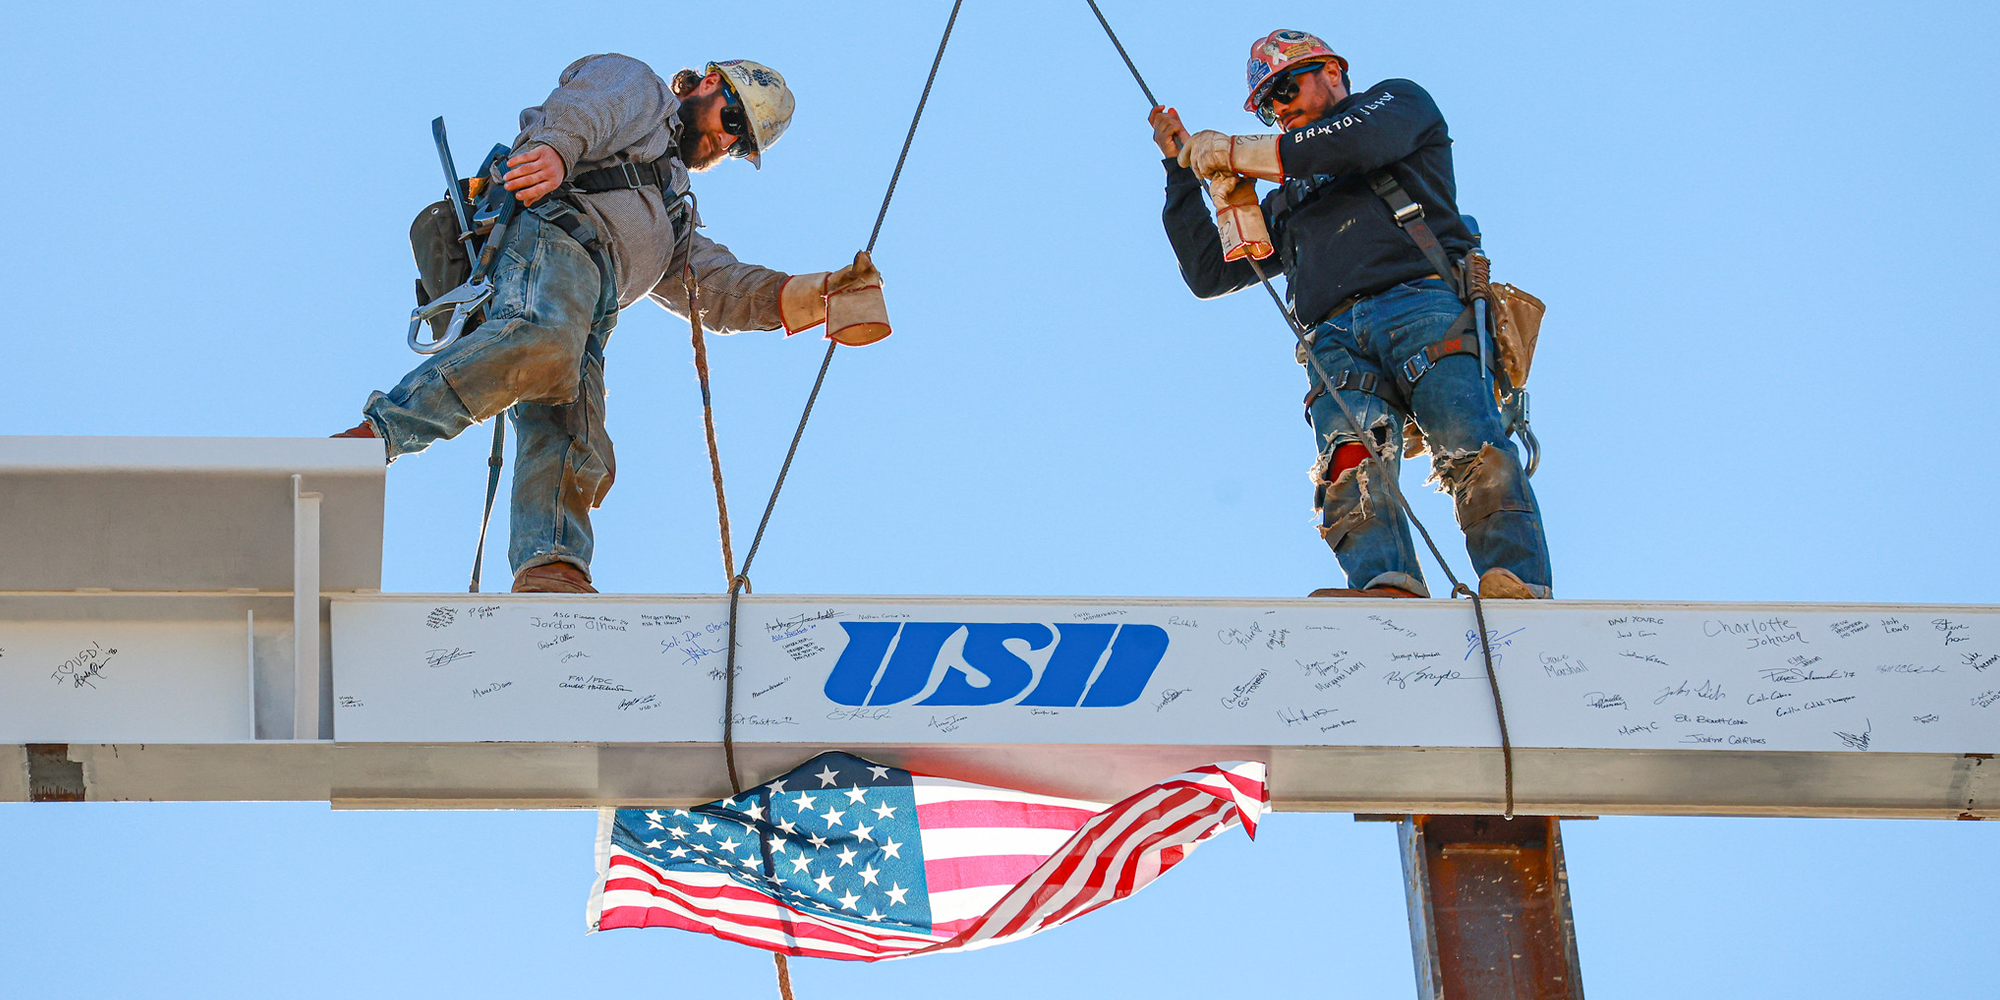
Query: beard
point(692, 110)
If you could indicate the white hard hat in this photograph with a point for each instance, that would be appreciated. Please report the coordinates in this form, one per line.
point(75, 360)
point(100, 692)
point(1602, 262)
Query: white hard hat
point(767, 102)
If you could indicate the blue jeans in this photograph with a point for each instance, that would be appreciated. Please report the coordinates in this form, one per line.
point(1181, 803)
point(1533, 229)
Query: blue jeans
point(1471, 457)
point(540, 351)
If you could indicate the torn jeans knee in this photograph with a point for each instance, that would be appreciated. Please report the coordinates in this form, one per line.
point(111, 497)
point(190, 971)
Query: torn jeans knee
point(1350, 500)
point(1481, 484)
point(1345, 505)
point(1352, 503)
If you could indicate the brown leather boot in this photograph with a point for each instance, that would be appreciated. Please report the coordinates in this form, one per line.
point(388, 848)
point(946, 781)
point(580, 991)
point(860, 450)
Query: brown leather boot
point(1370, 592)
point(553, 578)
point(363, 429)
point(1500, 583)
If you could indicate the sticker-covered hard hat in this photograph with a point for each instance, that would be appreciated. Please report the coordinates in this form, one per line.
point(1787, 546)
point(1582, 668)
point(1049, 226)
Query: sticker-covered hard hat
point(766, 100)
point(1279, 51)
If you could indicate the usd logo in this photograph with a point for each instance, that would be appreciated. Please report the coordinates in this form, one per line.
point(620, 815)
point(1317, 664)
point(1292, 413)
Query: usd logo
point(1081, 665)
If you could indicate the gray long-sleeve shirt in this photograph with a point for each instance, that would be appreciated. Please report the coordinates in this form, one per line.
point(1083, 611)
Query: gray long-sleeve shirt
point(611, 109)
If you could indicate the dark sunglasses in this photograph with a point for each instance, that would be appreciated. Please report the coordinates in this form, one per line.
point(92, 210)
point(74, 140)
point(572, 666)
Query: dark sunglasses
point(1284, 87)
point(736, 122)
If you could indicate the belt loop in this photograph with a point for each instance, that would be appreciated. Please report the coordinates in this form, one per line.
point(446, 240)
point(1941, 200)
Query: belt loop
point(1302, 350)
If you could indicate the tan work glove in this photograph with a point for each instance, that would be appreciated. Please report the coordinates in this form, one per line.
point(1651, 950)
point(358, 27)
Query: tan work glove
point(856, 315)
point(1239, 220)
point(1211, 154)
point(806, 300)
point(802, 301)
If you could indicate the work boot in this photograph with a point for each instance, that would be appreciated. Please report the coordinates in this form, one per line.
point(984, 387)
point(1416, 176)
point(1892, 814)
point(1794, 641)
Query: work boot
point(1503, 584)
point(1370, 592)
point(552, 578)
point(363, 429)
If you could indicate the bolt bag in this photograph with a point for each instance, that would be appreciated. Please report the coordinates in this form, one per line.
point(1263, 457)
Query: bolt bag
point(1517, 324)
point(443, 262)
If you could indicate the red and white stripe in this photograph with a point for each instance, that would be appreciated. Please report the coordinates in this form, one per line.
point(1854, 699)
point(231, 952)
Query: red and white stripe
point(635, 894)
point(979, 842)
point(1116, 852)
point(999, 865)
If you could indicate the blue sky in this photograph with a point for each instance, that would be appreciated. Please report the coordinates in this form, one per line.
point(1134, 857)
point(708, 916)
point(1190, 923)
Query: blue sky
point(1766, 374)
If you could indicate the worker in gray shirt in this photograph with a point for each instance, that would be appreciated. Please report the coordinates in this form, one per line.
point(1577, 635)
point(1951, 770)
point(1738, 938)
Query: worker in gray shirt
point(600, 168)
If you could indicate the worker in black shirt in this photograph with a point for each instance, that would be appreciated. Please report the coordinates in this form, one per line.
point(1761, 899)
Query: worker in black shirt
point(1384, 325)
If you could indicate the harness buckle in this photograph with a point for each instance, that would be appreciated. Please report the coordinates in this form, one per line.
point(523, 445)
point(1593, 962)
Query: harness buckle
point(631, 174)
point(1408, 213)
point(1416, 366)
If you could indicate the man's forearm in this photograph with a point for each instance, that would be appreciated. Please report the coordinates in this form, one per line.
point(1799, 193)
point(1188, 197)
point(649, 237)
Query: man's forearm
point(1197, 246)
point(735, 296)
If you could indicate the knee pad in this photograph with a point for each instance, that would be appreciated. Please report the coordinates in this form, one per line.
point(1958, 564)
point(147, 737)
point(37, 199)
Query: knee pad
point(1482, 484)
point(545, 372)
point(1346, 504)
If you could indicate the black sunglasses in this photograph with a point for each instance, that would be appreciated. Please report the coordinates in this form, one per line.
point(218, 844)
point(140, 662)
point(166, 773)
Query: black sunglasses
point(736, 122)
point(1284, 87)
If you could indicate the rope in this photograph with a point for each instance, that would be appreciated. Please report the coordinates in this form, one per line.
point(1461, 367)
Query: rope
point(693, 287)
point(739, 579)
point(1394, 489)
point(708, 408)
point(784, 978)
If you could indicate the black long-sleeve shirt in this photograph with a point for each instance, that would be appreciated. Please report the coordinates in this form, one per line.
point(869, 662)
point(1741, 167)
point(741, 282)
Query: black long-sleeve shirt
point(1334, 236)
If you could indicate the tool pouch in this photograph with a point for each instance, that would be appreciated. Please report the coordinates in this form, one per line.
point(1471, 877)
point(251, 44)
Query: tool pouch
point(1517, 324)
point(442, 261)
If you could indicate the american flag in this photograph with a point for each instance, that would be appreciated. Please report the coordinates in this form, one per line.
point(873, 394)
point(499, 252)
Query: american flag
point(845, 858)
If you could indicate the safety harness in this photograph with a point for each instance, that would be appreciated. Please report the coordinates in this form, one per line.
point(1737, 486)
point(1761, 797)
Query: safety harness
point(1467, 335)
point(622, 176)
point(617, 177)
point(462, 258)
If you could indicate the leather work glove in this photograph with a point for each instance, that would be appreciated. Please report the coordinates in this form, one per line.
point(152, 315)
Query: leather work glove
point(1211, 154)
point(1239, 220)
point(802, 301)
point(856, 314)
point(851, 296)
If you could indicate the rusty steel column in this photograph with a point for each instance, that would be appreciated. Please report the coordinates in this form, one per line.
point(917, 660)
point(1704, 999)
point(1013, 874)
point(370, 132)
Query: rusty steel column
point(1489, 908)
point(52, 776)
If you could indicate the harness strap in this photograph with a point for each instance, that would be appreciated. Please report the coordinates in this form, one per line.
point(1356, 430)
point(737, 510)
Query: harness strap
point(1368, 382)
point(622, 177)
point(1456, 342)
point(571, 220)
point(1410, 216)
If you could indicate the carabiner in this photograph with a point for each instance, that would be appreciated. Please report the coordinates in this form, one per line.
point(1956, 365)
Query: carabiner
point(461, 302)
point(1532, 447)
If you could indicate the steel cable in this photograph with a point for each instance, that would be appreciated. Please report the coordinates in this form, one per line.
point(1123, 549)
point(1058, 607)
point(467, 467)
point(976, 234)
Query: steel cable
point(741, 581)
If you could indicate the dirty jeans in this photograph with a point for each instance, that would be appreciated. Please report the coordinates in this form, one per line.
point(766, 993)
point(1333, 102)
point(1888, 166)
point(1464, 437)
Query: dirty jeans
point(1471, 457)
point(540, 350)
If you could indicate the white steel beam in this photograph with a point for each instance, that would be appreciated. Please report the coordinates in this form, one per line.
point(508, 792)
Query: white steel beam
point(305, 613)
point(1367, 706)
